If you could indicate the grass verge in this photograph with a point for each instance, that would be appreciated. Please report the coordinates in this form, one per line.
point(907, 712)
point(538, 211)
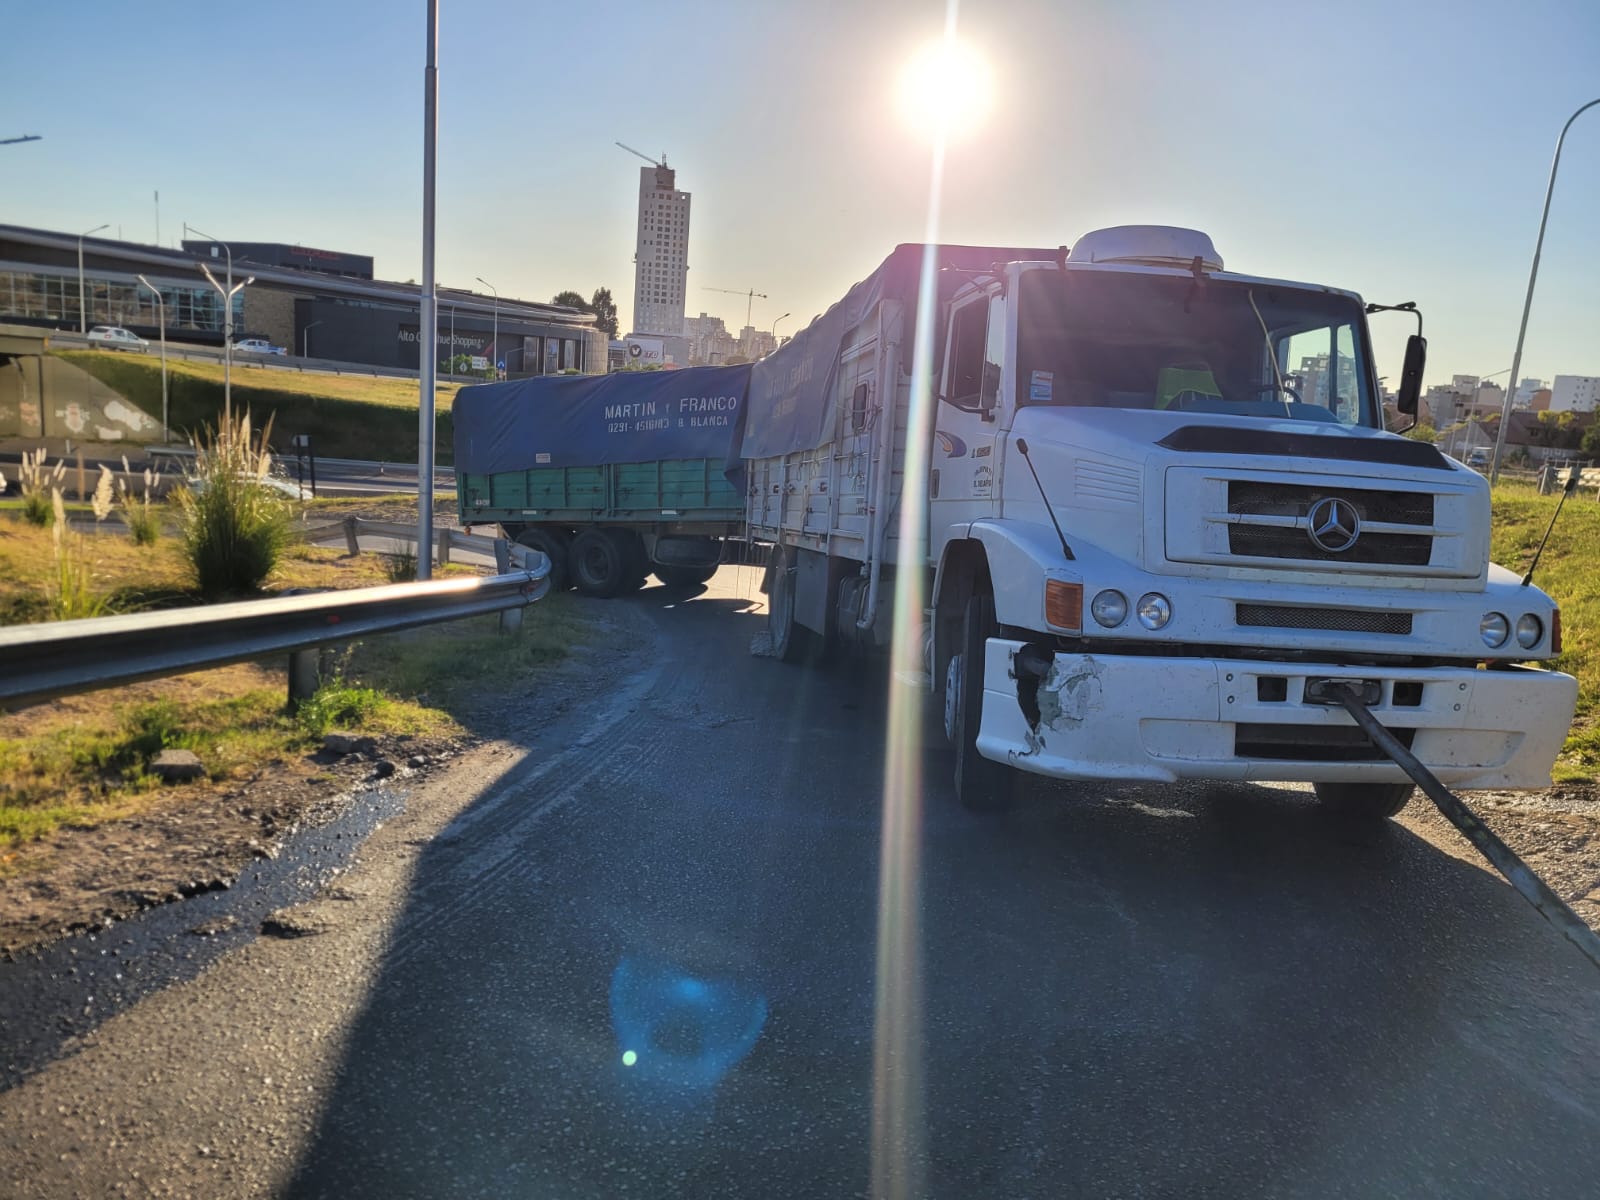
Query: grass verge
point(347, 416)
point(1570, 571)
point(85, 760)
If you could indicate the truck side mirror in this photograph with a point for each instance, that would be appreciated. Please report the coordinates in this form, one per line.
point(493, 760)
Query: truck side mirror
point(989, 390)
point(1411, 375)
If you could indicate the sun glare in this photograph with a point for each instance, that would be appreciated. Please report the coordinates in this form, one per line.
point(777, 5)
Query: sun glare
point(946, 87)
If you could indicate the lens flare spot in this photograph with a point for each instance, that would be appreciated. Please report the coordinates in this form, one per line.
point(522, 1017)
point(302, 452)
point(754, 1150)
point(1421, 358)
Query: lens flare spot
point(629, 1058)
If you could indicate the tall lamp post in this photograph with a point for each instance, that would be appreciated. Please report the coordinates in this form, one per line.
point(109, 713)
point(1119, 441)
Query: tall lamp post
point(227, 317)
point(161, 309)
point(83, 310)
point(227, 294)
point(1527, 303)
point(494, 345)
point(775, 330)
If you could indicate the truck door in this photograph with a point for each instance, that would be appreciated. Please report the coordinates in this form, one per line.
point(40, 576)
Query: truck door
point(961, 483)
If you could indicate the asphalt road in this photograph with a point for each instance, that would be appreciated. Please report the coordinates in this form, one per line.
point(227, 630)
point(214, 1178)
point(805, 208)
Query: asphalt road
point(641, 961)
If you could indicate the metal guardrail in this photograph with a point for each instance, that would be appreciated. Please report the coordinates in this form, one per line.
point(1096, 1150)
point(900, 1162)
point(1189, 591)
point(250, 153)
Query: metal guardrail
point(506, 554)
point(41, 662)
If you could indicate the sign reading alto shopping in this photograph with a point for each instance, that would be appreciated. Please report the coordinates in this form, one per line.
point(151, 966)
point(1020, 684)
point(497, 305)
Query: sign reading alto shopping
point(586, 420)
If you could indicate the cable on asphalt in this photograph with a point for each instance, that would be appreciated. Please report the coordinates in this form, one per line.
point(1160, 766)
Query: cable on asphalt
point(1516, 872)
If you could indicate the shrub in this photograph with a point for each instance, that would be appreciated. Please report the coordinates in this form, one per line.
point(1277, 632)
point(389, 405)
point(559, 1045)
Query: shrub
point(400, 568)
point(72, 596)
point(37, 482)
point(139, 510)
point(234, 525)
point(336, 703)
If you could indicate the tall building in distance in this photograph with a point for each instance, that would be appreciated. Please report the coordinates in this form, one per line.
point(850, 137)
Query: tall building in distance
point(661, 262)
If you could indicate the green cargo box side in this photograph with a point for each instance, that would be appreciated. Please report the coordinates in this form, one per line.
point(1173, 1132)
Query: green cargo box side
point(692, 492)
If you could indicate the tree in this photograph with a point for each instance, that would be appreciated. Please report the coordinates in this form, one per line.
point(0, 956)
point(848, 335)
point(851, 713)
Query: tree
point(1423, 432)
point(1591, 439)
point(571, 300)
point(604, 309)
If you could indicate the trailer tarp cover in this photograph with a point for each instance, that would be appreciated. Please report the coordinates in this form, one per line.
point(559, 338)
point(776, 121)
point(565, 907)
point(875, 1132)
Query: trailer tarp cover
point(792, 389)
point(598, 420)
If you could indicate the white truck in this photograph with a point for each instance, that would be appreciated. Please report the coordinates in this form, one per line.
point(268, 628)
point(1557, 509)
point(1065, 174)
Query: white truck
point(1154, 516)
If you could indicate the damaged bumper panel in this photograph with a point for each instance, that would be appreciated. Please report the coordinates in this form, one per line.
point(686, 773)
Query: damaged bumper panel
point(1085, 716)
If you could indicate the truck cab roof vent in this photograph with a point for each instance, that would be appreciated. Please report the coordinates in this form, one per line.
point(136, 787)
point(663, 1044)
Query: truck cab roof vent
point(1147, 246)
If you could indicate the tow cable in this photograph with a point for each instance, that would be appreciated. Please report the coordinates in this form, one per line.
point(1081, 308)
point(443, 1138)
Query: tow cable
point(1517, 873)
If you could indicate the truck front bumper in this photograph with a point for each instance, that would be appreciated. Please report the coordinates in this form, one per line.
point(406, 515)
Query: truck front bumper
point(1163, 719)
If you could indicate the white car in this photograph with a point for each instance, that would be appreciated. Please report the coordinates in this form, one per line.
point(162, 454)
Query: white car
point(115, 337)
point(257, 346)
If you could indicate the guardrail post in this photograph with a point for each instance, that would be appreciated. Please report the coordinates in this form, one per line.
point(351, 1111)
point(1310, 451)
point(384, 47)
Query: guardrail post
point(442, 558)
point(510, 620)
point(502, 556)
point(351, 541)
point(305, 675)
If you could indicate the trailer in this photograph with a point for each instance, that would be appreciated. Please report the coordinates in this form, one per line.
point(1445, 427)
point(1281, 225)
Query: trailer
point(1144, 519)
point(614, 477)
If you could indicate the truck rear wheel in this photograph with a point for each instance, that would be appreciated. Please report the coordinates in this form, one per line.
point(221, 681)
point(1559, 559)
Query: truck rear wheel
point(791, 641)
point(554, 547)
point(981, 785)
point(600, 563)
point(1365, 801)
point(677, 575)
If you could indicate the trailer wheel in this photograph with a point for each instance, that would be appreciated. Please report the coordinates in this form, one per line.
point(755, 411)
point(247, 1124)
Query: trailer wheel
point(599, 563)
point(981, 785)
point(791, 641)
point(554, 547)
point(1365, 801)
point(636, 557)
point(679, 576)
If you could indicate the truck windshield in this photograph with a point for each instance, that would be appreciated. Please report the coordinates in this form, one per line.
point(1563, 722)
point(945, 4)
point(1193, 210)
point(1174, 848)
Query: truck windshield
point(1108, 339)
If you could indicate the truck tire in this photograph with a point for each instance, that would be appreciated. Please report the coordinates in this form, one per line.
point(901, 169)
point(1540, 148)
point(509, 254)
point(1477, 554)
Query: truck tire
point(554, 547)
point(679, 576)
point(791, 641)
point(599, 563)
point(1365, 801)
point(637, 558)
point(981, 785)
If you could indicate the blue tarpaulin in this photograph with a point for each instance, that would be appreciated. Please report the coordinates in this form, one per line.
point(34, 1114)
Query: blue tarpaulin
point(595, 420)
point(792, 389)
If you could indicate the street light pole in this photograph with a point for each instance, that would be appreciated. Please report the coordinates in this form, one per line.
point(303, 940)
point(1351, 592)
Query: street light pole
point(227, 320)
point(83, 311)
point(494, 345)
point(775, 330)
point(161, 309)
point(1527, 303)
point(428, 325)
point(227, 370)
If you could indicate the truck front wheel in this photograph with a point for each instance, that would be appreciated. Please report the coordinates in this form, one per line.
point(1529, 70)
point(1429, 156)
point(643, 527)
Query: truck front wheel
point(1365, 801)
point(981, 785)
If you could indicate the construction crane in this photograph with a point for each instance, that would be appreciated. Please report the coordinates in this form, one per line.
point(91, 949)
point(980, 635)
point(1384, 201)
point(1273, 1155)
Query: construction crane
point(750, 299)
point(662, 163)
point(27, 137)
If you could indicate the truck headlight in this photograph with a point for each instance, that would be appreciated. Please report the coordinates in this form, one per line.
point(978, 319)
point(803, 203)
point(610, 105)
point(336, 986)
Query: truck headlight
point(1495, 629)
point(1110, 608)
point(1530, 631)
point(1155, 610)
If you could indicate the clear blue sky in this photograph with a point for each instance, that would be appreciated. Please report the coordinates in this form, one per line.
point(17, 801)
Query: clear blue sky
point(1395, 147)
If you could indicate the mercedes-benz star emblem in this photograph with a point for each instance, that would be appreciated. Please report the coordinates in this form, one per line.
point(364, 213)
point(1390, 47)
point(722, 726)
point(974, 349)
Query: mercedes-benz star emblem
point(1333, 525)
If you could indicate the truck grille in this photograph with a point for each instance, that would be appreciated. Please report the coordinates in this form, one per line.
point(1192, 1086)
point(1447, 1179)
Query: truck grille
point(1345, 620)
point(1248, 498)
point(1311, 743)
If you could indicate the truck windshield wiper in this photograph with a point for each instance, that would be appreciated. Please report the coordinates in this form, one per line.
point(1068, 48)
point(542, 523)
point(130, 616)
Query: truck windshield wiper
point(1277, 374)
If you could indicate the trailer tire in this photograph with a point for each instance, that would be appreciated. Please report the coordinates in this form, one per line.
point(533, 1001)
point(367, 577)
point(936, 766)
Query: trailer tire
point(678, 576)
point(600, 563)
point(1365, 801)
point(554, 547)
point(791, 641)
point(638, 558)
point(981, 785)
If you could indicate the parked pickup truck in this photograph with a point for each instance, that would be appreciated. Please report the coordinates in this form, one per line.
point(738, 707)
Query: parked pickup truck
point(615, 477)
